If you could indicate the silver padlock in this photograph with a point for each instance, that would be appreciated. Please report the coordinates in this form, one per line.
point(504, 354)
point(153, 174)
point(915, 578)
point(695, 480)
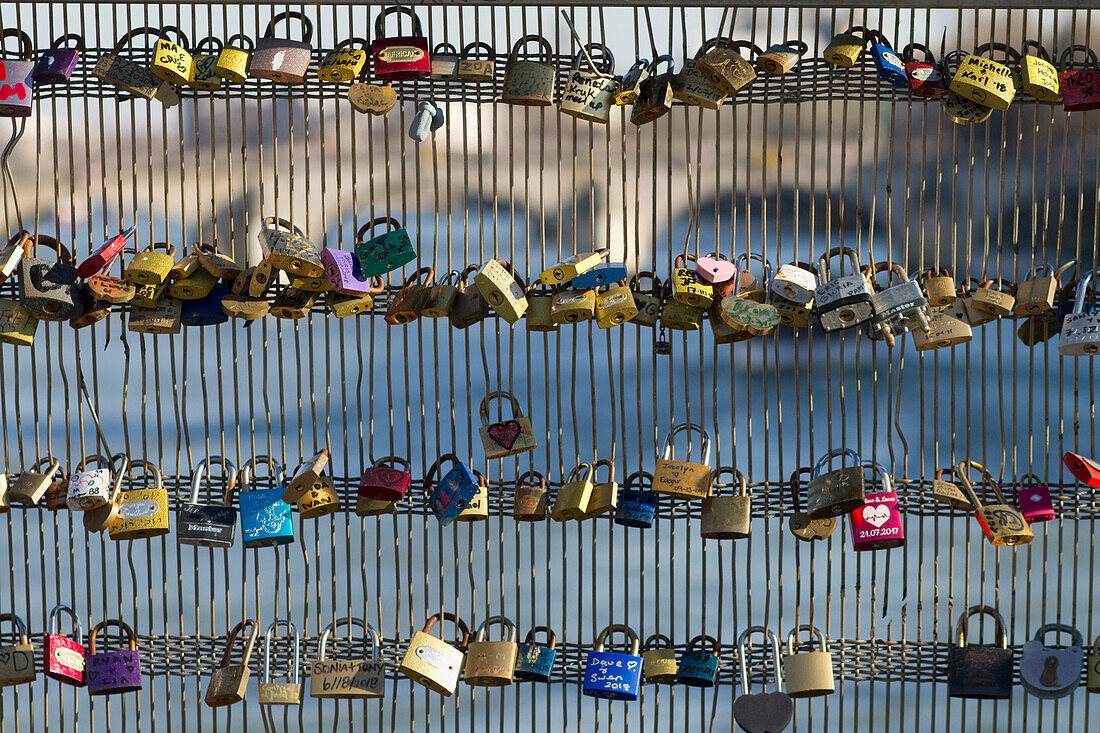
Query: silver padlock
point(899, 308)
point(844, 301)
point(808, 674)
point(1052, 672)
point(795, 281)
point(1080, 330)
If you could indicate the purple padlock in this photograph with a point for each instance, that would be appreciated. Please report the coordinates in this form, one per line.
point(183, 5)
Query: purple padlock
point(1033, 499)
point(344, 273)
point(108, 673)
point(877, 524)
point(56, 65)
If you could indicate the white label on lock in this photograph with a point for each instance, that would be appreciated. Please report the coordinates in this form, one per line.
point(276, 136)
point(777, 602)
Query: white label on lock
point(68, 658)
point(433, 657)
point(138, 509)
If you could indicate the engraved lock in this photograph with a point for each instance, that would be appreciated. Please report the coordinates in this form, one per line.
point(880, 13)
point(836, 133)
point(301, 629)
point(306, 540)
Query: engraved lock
point(765, 711)
point(344, 679)
point(110, 673)
point(491, 663)
point(964, 111)
point(630, 87)
point(400, 58)
point(344, 63)
point(386, 482)
point(265, 515)
point(384, 252)
point(234, 58)
point(572, 266)
point(687, 287)
point(204, 77)
point(889, 65)
point(111, 290)
point(129, 76)
point(683, 479)
point(721, 63)
point(469, 306)
point(691, 86)
point(808, 674)
point(1080, 87)
point(615, 305)
point(898, 308)
point(17, 324)
point(217, 264)
point(613, 675)
point(29, 487)
point(648, 303)
point(163, 318)
point(877, 525)
point(410, 299)
point(284, 246)
point(847, 47)
point(503, 288)
point(940, 287)
point(540, 303)
point(1038, 76)
point(526, 82)
point(49, 290)
point(838, 492)
point(150, 267)
point(987, 82)
point(995, 300)
point(979, 672)
point(925, 77)
point(795, 281)
point(1052, 672)
point(1001, 523)
point(172, 60)
point(534, 662)
point(573, 306)
point(17, 661)
point(321, 499)
point(799, 522)
point(1033, 499)
point(456, 490)
point(64, 659)
point(699, 667)
point(964, 307)
point(727, 517)
point(572, 499)
point(1036, 293)
point(432, 662)
point(844, 301)
point(604, 497)
point(1080, 334)
point(281, 59)
point(282, 693)
point(659, 662)
point(442, 296)
point(530, 499)
point(444, 61)
point(779, 58)
point(244, 307)
point(637, 506)
point(229, 682)
point(654, 94)
point(743, 306)
point(507, 437)
point(1085, 470)
point(142, 512)
point(590, 95)
point(90, 488)
point(949, 492)
point(375, 99)
point(678, 316)
point(56, 64)
point(208, 525)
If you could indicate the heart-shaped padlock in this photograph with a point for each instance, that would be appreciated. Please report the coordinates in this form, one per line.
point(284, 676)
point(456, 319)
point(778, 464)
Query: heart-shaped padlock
point(767, 712)
point(714, 268)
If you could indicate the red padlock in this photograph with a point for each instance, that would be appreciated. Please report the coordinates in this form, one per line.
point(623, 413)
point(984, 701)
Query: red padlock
point(1085, 470)
point(104, 254)
point(400, 58)
point(925, 77)
point(1080, 87)
point(386, 483)
point(64, 660)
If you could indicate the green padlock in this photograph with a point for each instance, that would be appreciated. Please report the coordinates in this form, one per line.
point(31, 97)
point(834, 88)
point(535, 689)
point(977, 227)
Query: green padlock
point(386, 252)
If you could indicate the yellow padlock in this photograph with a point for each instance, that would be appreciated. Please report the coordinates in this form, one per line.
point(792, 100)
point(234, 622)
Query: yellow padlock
point(172, 62)
point(573, 496)
point(432, 662)
point(503, 290)
point(846, 48)
point(987, 82)
point(1038, 76)
point(233, 60)
point(344, 63)
point(687, 287)
point(150, 267)
point(204, 76)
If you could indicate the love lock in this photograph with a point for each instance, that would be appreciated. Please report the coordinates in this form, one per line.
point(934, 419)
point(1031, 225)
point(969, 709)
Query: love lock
point(1052, 672)
point(767, 712)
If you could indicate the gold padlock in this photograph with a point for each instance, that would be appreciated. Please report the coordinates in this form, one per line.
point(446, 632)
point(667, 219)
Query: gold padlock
point(442, 296)
point(574, 495)
point(573, 306)
point(172, 62)
point(799, 522)
point(995, 300)
point(945, 328)
point(142, 512)
point(947, 491)
point(659, 662)
point(13, 253)
point(781, 57)
point(281, 693)
point(321, 499)
point(846, 48)
point(679, 316)
point(344, 679)
point(410, 299)
point(723, 332)
point(229, 682)
point(1038, 76)
point(292, 304)
point(615, 305)
point(204, 77)
point(148, 296)
point(432, 662)
point(195, 286)
point(233, 59)
point(150, 267)
point(604, 496)
point(721, 63)
point(28, 487)
point(285, 247)
point(940, 287)
point(1002, 524)
point(540, 302)
point(163, 318)
point(477, 510)
point(691, 86)
point(530, 498)
point(572, 266)
point(344, 63)
point(683, 479)
point(244, 307)
point(727, 517)
point(985, 81)
point(1036, 293)
point(307, 474)
point(503, 289)
point(491, 663)
point(216, 263)
point(687, 287)
point(472, 69)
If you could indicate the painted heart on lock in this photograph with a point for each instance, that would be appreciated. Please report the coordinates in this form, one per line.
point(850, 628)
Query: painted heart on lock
point(505, 433)
point(876, 515)
point(387, 476)
point(763, 713)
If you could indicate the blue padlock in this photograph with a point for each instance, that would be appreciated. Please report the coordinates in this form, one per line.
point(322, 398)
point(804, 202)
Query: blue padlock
point(637, 507)
point(889, 64)
point(699, 668)
point(455, 490)
point(601, 274)
point(266, 520)
point(534, 661)
point(205, 311)
point(613, 675)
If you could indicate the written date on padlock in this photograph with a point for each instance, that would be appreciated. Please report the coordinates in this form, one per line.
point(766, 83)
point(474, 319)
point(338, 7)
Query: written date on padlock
point(349, 675)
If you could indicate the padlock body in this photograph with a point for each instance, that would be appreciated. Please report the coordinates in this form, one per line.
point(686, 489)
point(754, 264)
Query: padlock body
point(1003, 525)
point(384, 483)
point(659, 666)
point(808, 674)
point(433, 663)
point(691, 86)
point(205, 311)
point(508, 438)
point(490, 663)
point(205, 78)
point(342, 65)
point(347, 679)
point(266, 519)
point(56, 65)
point(172, 63)
point(206, 525)
point(539, 316)
point(835, 492)
point(697, 669)
point(599, 275)
point(649, 309)
point(233, 64)
point(1080, 335)
point(529, 83)
point(612, 676)
point(678, 316)
point(227, 685)
point(478, 508)
point(844, 50)
point(950, 493)
point(889, 65)
point(843, 302)
point(725, 68)
point(17, 324)
point(795, 283)
point(320, 501)
point(143, 513)
point(900, 308)
point(573, 306)
point(529, 503)
point(64, 660)
point(50, 290)
point(534, 662)
point(89, 489)
point(877, 524)
point(654, 99)
point(1039, 78)
point(343, 272)
point(603, 499)
point(1092, 680)
point(109, 673)
point(615, 307)
point(162, 319)
point(128, 76)
point(27, 488)
point(681, 479)
point(725, 518)
point(453, 492)
point(943, 330)
point(589, 96)
point(1080, 89)
point(385, 253)
point(1050, 672)
point(501, 290)
point(979, 672)
point(636, 508)
point(1035, 504)
point(925, 79)
point(280, 693)
point(17, 665)
point(1085, 470)
point(572, 500)
point(401, 58)
point(989, 83)
point(280, 59)
point(689, 289)
point(17, 83)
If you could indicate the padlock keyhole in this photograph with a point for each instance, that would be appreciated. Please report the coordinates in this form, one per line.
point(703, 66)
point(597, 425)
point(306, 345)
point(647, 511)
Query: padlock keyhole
point(1049, 677)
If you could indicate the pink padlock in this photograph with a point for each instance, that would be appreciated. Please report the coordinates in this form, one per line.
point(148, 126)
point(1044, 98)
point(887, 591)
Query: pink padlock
point(877, 524)
point(1033, 499)
point(715, 268)
point(1085, 470)
point(344, 273)
point(1080, 87)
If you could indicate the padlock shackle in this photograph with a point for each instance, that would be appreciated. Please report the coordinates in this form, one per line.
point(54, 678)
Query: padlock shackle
point(742, 654)
point(962, 472)
point(743, 482)
point(459, 624)
point(665, 58)
point(1010, 53)
point(400, 10)
point(1078, 639)
point(393, 461)
point(111, 622)
point(99, 460)
point(884, 475)
point(892, 268)
point(823, 261)
point(544, 45)
point(148, 467)
point(961, 626)
point(653, 640)
point(63, 254)
point(444, 48)
point(534, 475)
point(212, 41)
point(551, 637)
point(248, 471)
point(738, 45)
point(1040, 50)
point(18, 625)
point(681, 261)
point(666, 452)
point(827, 459)
point(125, 40)
point(254, 630)
point(483, 409)
point(53, 466)
point(601, 638)
point(169, 249)
point(1067, 56)
point(245, 40)
point(907, 53)
point(268, 636)
point(746, 258)
point(715, 647)
point(1082, 291)
point(586, 467)
point(62, 40)
point(655, 290)
point(395, 225)
point(610, 470)
point(437, 466)
point(349, 621)
point(792, 638)
point(307, 25)
point(273, 222)
point(228, 469)
point(601, 56)
point(795, 486)
point(348, 41)
point(637, 477)
point(26, 46)
point(503, 621)
point(118, 474)
point(53, 623)
point(181, 37)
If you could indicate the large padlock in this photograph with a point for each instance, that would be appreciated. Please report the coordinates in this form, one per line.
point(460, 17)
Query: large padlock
point(385, 252)
point(691, 86)
point(987, 82)
point(687, 286)
point(432, 662)
point(1080, 87)
point(491, 663)
point(469, 306)
point(530, 498)
point(503, 288)
point(281, 59)
point(320, 500)
point(838, 492)
point(683, 479)
point(1002, 524)
point(1080, 334)
point(1085, 470)
point(129, 76)
point(615, 305)
point(979, 672)
point(534, 662)
point(590, 95)
point(572, 499)
point(604, 497)
point(527, 82)
point(400, 58)
point(795, 281)
point(458, 488)
point(17, 76)
point(506, 437)
point(845, 49)
point(293, 303)
point(767, 711)
point(344, 679)
point(386, 483)
point(344, 63)
point(1052, 672)
point(571, 267)
point(1033, 499)
point(205, 77)
point(29, 487)
point(613, 675)
point(172, 60)
point(410, 299)
point(889, 65)
point(637, 506)
point(56, 64)
point(779, 58)
point(234, 58)
point(925, 77)
point(719, 61)
point(90, 488)
point(1035, 294)
point(648, 303)
point(655, 93)
point(698, 667)
point(282, 693)
point(13, 253)
point(163, 318)
point(229, 682)
point(727, 517)
point(631, 84)
point(17, 661)
point(1038, 76)
point(945, 328)
point(150, 267)
point(993, 297)
point(573, 306)
point(898, 308)
point(110, 673)
point(940, 287)
point(659, 662)
point(265, 516)
point(208, 525)
point(101, 517)
point(877, 524)
point(965, 307)
point(64, 657)
point(808, 674)
point(17, 324)
point(844, 301)
point(143, 512)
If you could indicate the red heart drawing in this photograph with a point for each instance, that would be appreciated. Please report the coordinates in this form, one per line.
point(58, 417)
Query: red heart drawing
point(504, 433)
point(387, 476)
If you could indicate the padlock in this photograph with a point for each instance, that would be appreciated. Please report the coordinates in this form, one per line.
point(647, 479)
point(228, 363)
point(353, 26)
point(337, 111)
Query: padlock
point(683, 479)
point(29, 487)
point(993, 298)
point(344, 63)
point(101, 517)
point(17, 661)
point(1036, 293)
point(469, 306)
point(375, 99)
point(234, 59)
point(386, 482)
point(127, 75)
point(432, 662)
point(1001, 523)
point(320, 501)
point(534, 662)
point(1038, 77)
point(948, 492)
point(442, 295)
point(1080, 87)
point(1080, 334)
point(692, 87)
point(507, 437)
point(292, 303)
point(1052, 672)
point(491, 663)
point(573, 306)
point(503, 288)
point(963, 111)
point(56, 497)
point(281, 693)
point(265, 516)
point(400, 58)
point(281, 59)
point(245, 307)
point(655, 94)
point(613, 675)
point(410, 299)
point(741, 309)
point(846, 48)
point(348, 679)
point(779, 58)
point(477, 509)
point(795, 315)
point(688, 287)
point(385, 252)
point(898, 308)
point(307, 473)
point(455, 491)
point(17, 76)
point(889, 65)
point(987, 82)
point(172, 60)
point(17, 324)
point(205, 311)
point(877, 524)
point(164, 318)
point(110, 673)
point(150, 267)
point(1033, 499)
point(795, 281)
point(836, 492)
point(844, 301)
point(964, 306)
point(187, 266)
point(659, 662)
point(365, 507)
point(648, 304)
point(925, 77)
point(49, 290)
point(110, 290)
point(699, 668)
point(572, 498)
point(205, 77)
point(229, 682)
point(590, 95)
point(630, 86)
point(64, 657)
point(219, 265)
point(94, 312)
point(530, 499)
point(13, 253)
point(208, 525)
point(719, 61)
point(944, 329)
point(353, 305)
point(143, 512)
point(766, 712)
point(148, 296)
point(90, 488)
point(615, 305)
point(939, 286)
point(571, 267)
point(1085, 470)
point(979, 672)
point(604, 496)
point(199, 284)
point(727, 517)
point(540, 301)
point(637, 506)
point(808, 674)
point(444, 61)
point(472, 69)
point(529, 83)
point(56, 64)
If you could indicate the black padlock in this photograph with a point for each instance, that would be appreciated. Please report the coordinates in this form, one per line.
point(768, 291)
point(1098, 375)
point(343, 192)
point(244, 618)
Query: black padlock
point(979, 672)
point(654, 95)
